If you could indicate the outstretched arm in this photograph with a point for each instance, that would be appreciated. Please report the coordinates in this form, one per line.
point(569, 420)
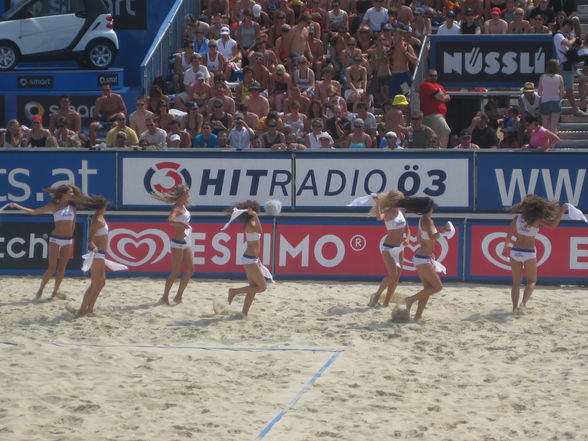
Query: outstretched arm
point(31, 211)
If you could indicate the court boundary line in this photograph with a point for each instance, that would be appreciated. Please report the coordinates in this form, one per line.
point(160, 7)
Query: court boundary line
point(335, 354)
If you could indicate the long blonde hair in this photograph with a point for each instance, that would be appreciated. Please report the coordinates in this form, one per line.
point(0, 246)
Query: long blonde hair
point(171, 197)
point(58, 192)
point(387, 200)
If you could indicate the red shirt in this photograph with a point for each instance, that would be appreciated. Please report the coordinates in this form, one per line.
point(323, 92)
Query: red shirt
point(430, 104)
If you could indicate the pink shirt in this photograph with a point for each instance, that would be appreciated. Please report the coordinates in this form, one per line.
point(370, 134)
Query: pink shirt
point(539, 138)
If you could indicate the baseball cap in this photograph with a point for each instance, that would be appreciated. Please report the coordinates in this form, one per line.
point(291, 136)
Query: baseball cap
point(391, 134)
point(225, 31)
point(200, 76)
point(450, 14)
point(469, 11)
point(496, 11)
point(175, 137)
point(255, 86)
point(465, 134)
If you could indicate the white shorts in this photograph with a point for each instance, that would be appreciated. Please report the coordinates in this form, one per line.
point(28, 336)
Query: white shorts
point(100, 254)
point(417, 259)
point(394, 252)
point(249, 260)
point(350, 92)
point(178, 244)
point(522, 255)
point(60, 241)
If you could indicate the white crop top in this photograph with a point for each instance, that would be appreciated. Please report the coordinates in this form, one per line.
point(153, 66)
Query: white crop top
point(184, 217)
point(398, 223)
point(102, 231)
point(525, 229)
point(252, 237)
point(424, 234)
point(65, 214)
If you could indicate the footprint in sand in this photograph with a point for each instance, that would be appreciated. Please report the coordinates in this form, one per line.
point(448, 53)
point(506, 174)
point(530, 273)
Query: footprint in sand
point(220, 308)
point(400, 314)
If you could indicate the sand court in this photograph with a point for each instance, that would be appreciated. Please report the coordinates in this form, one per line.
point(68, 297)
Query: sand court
point(471, 371)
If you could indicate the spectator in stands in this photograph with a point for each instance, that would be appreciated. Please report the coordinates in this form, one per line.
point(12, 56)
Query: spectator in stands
point(120, 126)
point(201, 43)
point(518, 25)
point(470, 26)
point(365, 39)
point(174, 128)
point(217, 8)
point(328, 80)
point(380, 70)
point(155, 96)
point(223, 139)
point(256, 102)
point(418, 135)
point(295, 95)
point(376, 16)
point(153, 137)
point(272, 136)
point(107, 106)
point(181, 64)
point(251, 118)
point(271, 115)
point(541, 138)
point(391, 141)
point(13, 136)
point(434, 99)
point(312, 138)
point(162, 116)
point(529, 105)
point(229, 49)
point(538, 25)
point(358, 138)
point(570, 8)
point(218, 118)
point(240, 133)
point(337, 19)
point(199, 91)
point(278, 89)
point(138, 117)
point(465, 141)
point(247, 31)
point(551, 91)
point(193, 25)
point(510, 126)
point(291, 143)
point(174, 141)
point(449, 27)
point(192, 121)
point(206, 139)
point(213, 60)
point(563, 43)
point(62, 135)
point(73, 118)
point(403, 58)
point(189, 79)
point(543, 9)
point(316, 110)
point(338, 126)
point(356, 78)
point(482, 134)
point(495, 25)
point(38, 135)
point(295, 122)
point(261, 73)
point(304, 77)
point(394, 117)
point(297, 41)
point(421, 25)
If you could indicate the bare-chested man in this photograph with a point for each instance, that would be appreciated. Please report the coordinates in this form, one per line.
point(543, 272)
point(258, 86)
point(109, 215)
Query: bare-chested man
point(255, 102)
point(106, 108)
point(495, 25)
point(297, 41)
point(403, 13)
point(73, 118)
point(261, 73)
point(321, 87)
point(401, 55)
point(219, 92)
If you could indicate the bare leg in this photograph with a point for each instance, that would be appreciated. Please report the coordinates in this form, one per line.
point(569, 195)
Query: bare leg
point(431, 285)
point(256, 285)
point(173, 275)
point(387, 282)
point(530, 267)
point(60, 273)
point(51, 268)
point(98, 282)
point(187, 258)
point(515, 290)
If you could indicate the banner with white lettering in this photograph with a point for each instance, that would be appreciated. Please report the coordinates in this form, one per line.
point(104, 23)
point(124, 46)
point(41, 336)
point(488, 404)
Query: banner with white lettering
point(503, 179)
point(324, 180)
point(490, 60)
point(562, 253)
point(216, 180)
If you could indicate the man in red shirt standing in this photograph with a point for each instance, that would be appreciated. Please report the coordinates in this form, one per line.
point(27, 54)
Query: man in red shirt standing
point(433, 97)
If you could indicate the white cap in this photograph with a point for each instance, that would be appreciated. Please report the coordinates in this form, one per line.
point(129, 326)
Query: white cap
point(225, 31)
point(256, 10)
point(391, 134)
point(175, 137)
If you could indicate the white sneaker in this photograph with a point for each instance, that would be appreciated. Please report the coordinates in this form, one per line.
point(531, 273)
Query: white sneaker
point(580, 113)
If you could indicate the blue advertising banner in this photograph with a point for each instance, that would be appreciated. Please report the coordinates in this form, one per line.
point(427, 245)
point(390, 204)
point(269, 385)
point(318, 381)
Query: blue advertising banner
point(24, 175)
point(490, 60)
point(503, 179)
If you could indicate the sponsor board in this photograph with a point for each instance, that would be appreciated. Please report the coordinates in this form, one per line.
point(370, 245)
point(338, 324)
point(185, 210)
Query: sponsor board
point(504, 179)
point(23, 176)
point(490, 60)
point(44, 106)
point(128, 14)
point(24, 245)
point(35, 82)
point(562, 253)
point(350, 249)
point(334, 181)
point(215, 180)
point(2, 111)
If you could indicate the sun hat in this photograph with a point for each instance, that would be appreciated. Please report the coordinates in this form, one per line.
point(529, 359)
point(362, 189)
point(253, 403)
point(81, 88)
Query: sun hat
point(528, 87)
point(400, 100)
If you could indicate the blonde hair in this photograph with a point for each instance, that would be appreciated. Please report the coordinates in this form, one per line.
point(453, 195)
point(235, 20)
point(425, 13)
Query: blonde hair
point(171, 197)
point(388, 200)
point(58, 192)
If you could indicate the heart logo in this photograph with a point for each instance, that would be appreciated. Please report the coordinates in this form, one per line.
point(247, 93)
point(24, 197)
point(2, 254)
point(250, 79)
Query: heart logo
point(137, 248)
point(493, 244)
point(414, 246)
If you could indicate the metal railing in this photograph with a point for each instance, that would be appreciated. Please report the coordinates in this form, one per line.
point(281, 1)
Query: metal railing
point(419, 75)
point(167, 41)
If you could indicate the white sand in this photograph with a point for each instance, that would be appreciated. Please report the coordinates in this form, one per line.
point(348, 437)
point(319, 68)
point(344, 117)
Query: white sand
point(471, 372)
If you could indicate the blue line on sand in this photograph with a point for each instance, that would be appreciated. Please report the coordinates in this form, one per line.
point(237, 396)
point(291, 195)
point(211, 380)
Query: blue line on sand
point(292, 403)
point(279, 416)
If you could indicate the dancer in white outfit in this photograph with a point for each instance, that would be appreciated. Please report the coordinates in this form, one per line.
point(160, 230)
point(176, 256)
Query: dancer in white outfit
point(61, 238)
point(398, 236)
point(533, 212)
point(181, 243)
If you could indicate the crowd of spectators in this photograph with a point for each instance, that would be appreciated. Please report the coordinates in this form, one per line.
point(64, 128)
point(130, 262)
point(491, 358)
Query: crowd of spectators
point(292, 75)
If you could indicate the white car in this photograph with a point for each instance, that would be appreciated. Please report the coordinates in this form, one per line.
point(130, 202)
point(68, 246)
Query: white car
point(80, 30)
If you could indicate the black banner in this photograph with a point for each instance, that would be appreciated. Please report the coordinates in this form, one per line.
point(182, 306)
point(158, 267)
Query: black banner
point(128, 14)
point(25, 246)
point(490, 60)
point(35, 82)
point(2, 111)
point(29, 106)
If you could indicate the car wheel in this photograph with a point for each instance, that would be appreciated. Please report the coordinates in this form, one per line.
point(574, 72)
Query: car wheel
point(99, 55)
point(8, 56)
